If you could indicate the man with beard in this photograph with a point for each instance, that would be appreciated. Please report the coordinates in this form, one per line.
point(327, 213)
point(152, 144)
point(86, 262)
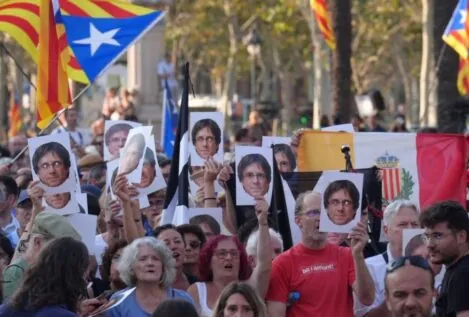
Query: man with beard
point(324, 275)
point(447, 231)
point(409, 287)
point(58, 201)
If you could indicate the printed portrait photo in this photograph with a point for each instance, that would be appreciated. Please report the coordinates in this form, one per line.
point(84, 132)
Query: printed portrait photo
point(206, 137)
point(51, 163)
point(115, 136)
point(210, 220)
point(62, 203)
point(131, 157)
point(413, 243)
point(253, 174)
point(152, 178)
point(341, 201)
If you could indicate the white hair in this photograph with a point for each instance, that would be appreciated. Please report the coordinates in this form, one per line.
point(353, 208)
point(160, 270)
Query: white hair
point(251, 245)
point(130, 254)
point(393, 208)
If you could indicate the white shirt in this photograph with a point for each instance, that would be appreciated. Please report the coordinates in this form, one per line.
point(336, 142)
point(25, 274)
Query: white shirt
point(166, 68)
point(377, 267)
point(99, 247)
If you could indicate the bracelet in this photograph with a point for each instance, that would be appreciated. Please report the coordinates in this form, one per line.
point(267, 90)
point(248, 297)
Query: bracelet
point(210, 198)
point(137, 220)
point(264, 224)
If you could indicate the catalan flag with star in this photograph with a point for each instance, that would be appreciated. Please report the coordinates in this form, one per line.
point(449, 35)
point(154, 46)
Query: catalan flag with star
point(95, 33)
point(324, 22)
point(457, 32)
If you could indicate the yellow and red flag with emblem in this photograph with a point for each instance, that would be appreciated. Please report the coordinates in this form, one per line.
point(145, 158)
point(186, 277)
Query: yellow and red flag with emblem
point(324, 21)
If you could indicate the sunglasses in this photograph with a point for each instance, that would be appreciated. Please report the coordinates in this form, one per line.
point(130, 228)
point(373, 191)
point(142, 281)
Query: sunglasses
point(195, 244)
point(414, 260)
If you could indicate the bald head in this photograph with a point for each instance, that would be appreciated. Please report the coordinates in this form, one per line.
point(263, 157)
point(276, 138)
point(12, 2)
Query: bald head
point(308, 200)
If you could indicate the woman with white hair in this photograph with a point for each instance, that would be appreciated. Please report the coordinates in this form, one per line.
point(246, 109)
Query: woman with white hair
point(276, 244)
point(147, 265)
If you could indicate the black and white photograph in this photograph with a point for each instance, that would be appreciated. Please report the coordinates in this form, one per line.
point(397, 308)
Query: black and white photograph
point(206, 138)
point(341, 201)
point(254, 174)
point(61, 203)
point(51, 163)
point(132, 154)
point(115, 136)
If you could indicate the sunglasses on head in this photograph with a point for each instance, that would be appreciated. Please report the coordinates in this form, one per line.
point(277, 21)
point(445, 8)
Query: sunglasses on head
point(414, 260)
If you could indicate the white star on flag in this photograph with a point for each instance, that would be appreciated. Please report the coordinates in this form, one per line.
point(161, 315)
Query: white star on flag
point(98, 38)
point(463, 16)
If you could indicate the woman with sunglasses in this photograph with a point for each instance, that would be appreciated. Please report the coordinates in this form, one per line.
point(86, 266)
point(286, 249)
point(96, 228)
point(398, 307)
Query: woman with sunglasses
point(194, 239)
point(224, 260)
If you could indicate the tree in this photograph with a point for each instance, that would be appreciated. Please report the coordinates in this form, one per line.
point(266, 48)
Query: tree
point(447, 68)
point(341, 66)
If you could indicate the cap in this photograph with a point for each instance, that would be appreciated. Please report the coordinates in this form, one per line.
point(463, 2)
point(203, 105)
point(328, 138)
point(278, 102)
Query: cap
point(92, 190)
point(54, 225)
point(89, 160)
point(23, 197)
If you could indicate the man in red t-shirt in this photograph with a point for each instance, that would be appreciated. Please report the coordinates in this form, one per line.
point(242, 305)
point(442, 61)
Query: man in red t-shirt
point(324, 275)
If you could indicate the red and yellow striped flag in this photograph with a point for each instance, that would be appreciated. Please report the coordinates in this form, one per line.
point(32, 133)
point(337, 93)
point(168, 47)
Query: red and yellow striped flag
point(323, 19)
point(463, 77)
point(14, 117)
point(53, 93)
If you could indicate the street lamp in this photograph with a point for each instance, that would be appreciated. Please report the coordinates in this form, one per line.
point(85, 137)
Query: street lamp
point(253, 44)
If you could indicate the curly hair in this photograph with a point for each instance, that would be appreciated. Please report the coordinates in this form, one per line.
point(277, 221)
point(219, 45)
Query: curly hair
point(206, 254)
point(108, 254)
point(55, 278)
point(129, 257)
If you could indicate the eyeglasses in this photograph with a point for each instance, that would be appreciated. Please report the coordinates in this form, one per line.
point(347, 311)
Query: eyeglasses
point(414, 260)
point(55, 164)
point(435, 236)
point(195, 244)
point(337, 202)
point(311, 213)
point(221, 254)
point(201, 139)
point(251, 176)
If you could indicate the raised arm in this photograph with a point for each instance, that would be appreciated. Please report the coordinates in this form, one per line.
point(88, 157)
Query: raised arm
point(211, 170)
point(260, 278)
point(123, 191)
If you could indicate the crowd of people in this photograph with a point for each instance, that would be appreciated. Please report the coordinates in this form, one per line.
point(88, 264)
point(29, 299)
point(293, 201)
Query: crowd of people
point(203, 268)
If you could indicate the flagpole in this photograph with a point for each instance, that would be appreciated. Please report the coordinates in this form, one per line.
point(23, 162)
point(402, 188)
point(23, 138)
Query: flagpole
point(51, 121)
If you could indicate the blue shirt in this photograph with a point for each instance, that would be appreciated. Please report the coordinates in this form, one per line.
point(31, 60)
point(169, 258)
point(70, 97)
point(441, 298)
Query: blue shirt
point(130, 307)
point(48, 311)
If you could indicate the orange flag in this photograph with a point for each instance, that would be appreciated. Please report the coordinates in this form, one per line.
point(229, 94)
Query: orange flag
point(53, 93)
point(463, 77)
point(324, 22)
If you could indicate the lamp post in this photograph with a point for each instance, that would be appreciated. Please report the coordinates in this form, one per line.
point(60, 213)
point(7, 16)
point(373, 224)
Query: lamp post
point(253, 45)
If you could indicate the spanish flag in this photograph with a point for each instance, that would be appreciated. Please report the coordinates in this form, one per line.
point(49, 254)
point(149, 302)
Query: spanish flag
point(324, 22)
point(53, 92)
point(424, 168)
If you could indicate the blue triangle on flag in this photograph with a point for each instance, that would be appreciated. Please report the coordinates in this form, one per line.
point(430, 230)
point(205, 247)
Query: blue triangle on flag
point(98, 42)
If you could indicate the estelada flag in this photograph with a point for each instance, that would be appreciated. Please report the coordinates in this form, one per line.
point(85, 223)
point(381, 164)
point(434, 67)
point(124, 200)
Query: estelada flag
point(424, 168)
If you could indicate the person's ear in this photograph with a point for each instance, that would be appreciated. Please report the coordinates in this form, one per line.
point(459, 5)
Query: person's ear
point(298, 221)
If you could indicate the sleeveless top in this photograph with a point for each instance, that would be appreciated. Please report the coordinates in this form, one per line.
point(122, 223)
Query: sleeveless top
point(202, 290)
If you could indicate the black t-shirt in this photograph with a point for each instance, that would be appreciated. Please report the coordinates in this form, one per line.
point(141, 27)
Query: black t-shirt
point(453, 297)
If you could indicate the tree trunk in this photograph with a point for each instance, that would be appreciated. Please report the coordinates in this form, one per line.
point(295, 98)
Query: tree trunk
point(427, 81)
point(341, 66)
point(230, 74)
point(403, 67)
point(447, 71)
point(321, 80)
